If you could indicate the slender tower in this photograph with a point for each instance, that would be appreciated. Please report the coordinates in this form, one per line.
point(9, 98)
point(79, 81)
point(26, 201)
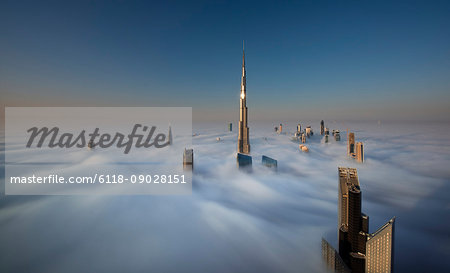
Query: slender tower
point(243, 138)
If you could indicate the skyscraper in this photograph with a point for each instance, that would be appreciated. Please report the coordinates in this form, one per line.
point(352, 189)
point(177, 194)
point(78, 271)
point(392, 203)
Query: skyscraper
point(308, 131)
point(352, 238)
point(188, 159)
point(359, 152)
point(356, 238)
point(243, 137)
point(337, 135)
point(360, 250)
point(322, 126)
point(347, 177)
point(351, 144)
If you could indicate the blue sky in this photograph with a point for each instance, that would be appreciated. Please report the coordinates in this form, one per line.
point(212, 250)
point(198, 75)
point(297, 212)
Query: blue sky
point(314, 59)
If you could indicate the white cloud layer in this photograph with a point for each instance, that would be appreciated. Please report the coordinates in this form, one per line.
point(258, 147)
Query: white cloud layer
point(234, 221)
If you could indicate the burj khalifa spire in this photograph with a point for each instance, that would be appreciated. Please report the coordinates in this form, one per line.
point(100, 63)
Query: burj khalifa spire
point(243, 138)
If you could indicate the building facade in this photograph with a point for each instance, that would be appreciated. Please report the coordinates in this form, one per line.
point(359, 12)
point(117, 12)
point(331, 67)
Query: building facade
point(380, 249)
point(359, 152)
point(332, 259)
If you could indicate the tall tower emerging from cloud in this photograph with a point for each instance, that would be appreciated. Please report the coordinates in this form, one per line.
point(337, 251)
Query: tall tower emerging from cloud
point(348, 178)
point(351, 144)
point(360, 250)
point(243, 138)
point(359, 152)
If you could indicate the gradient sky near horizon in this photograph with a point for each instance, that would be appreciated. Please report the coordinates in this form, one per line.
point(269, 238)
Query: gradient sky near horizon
point(305, 60)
